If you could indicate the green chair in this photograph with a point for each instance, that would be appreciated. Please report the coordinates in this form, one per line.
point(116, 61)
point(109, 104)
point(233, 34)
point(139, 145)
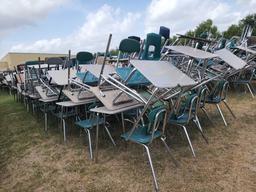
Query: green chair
point(217, 95)
point(130, 78)
point(185, 112)
point(87, 78)
point(145, 134)
point(202, 94)
point(54, 62)
point(152, 40)
point(203, 35)
point(246, 78)
point(88, 124)
point(83, 58)
point(129, 46)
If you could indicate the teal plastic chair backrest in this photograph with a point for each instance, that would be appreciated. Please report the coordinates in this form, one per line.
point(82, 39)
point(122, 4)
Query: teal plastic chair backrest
point(55, 61)
point(164, 32)
point(154, 40)
point(31, 63)
point(222, 43)
point(202, 96)
point(155, 117)
point(203, 35)
point(84, 58)
point(189, 105)
point(129, 46)
point(220, 90)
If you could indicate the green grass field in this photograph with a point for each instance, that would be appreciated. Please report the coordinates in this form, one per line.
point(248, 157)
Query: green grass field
point(31, 160)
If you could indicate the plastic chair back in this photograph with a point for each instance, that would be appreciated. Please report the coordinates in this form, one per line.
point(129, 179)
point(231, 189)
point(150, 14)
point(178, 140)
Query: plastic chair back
point(83, 58)
point(155, 117)
point(164, 32)
point(54, 61)
point(190, 107)
point(129, 46)
point(152, 40)
point(203, 35)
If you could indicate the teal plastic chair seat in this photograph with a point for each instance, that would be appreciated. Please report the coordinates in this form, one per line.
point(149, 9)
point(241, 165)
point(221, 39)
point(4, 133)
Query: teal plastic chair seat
point(89, 123)
point(90, 79)
point(216, 99)
point(141, 135)
point(182, 119)
point(136, 79)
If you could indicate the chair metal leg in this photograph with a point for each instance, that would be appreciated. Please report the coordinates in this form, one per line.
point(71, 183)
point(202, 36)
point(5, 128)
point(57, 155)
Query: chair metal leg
point(45, 122)
point(223, 118)
point(196, 121)
point(169, 150)
point(64, 130)
point(207, 115)
point(152, 168)
point(110, 136)
point(90, 142)
point(249, 88)
point(226, 104)
point(190, 144)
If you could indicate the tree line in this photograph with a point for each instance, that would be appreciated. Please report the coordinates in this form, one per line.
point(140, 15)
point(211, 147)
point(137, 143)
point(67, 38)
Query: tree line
point(232, 30)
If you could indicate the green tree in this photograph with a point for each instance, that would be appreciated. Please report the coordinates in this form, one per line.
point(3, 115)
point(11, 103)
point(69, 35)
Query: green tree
point(233, 30)
point(237, 29)
point(207, 26)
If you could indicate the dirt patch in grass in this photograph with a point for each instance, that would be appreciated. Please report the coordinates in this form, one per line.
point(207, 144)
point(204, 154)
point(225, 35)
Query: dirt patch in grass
point(33, 161)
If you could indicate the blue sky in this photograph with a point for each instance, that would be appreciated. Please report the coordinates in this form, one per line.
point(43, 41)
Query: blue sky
point(59, 25)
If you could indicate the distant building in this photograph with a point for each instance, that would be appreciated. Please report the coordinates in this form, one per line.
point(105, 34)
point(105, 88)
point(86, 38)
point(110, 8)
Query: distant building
point(12, 59)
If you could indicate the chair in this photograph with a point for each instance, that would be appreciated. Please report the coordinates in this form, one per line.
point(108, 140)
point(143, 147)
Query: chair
point(88, 124)
point(129, 46)
point(152, 40)
point(203, 35)
point(164, 32)
point(87, 78)
point(218, 95)
point(54, 62)
point(145, 134)
point(246, 78)
point(185, 112)
point(131, 79)
point(201, 98)
point(83, 58)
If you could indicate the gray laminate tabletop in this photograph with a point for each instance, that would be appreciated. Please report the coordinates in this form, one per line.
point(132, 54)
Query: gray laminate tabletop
point(104, 110)
point(230, 58)
point(60, 77)
point(192, 52)
point(162, 74)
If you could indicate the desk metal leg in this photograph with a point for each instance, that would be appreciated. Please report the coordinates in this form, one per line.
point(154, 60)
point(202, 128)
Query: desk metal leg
point(63, 124)
point(64, 130)
point(122, 119)
point(45, 119)
point(97, 139)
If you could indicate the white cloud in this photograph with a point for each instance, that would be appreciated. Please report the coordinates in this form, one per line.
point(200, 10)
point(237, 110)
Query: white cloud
point(18, 13)
point(179, 16)
point(183, 15)
point(92, 35)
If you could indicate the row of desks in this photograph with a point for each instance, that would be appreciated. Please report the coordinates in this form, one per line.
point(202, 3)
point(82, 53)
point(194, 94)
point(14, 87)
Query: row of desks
point(161, 74)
